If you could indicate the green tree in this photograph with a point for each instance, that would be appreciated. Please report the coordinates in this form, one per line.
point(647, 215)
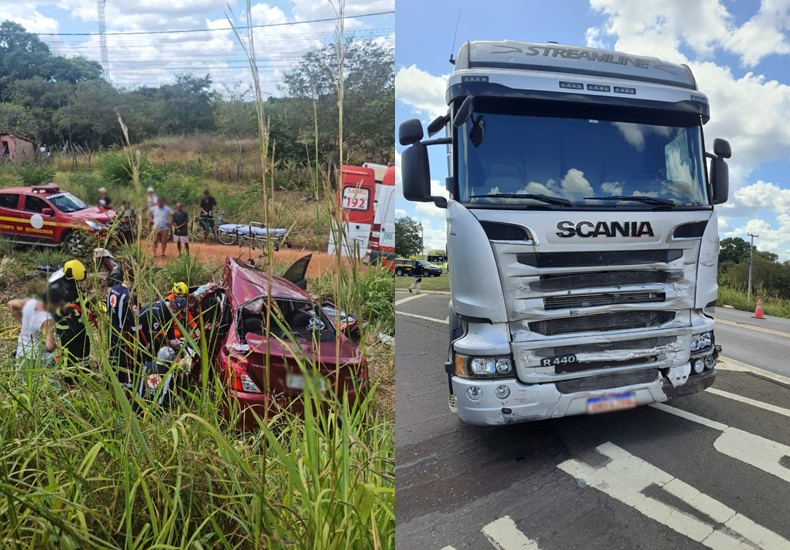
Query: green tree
point(408, 237)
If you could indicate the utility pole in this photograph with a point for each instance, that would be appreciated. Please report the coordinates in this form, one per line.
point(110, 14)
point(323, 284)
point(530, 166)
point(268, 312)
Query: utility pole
point(422, 240)
point(751, 263)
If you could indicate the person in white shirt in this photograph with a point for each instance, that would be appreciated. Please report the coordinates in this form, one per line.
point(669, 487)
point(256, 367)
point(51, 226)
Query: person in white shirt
point(150, 202)
point(36, 342)
point(161, 214)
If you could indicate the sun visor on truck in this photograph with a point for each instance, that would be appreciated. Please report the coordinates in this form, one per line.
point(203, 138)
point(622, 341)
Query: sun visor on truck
point(556, 58)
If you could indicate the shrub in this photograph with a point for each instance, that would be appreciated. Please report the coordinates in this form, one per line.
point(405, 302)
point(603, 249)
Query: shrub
point(32, 174)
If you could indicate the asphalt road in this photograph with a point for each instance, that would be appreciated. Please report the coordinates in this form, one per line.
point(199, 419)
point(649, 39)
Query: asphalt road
point(710, 470)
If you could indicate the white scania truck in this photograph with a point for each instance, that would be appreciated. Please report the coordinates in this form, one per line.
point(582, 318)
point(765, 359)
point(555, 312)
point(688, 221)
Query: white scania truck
point(581, 235)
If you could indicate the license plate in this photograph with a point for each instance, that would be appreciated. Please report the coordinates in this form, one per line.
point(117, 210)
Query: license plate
point(609, 403)
point(296, 382)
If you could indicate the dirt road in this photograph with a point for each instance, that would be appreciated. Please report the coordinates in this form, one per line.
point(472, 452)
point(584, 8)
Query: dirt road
point(320, 263)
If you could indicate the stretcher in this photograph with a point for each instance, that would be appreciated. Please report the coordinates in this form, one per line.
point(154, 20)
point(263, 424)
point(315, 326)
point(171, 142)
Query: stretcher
point(253, 234)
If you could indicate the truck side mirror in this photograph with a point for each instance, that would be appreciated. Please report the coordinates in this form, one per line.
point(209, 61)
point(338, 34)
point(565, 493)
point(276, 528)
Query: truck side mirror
point(721, 148)
point(410, 132)
point(47, 212)
point(416, 173)
point(720, 179)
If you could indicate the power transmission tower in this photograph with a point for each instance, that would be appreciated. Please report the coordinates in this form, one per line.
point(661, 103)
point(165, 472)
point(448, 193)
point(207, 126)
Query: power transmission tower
point(105, 56)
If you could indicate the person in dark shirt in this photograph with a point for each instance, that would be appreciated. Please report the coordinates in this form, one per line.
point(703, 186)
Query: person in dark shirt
point(158, 323)
point(180, 225)
point(207, 206)
point(416, 277)
point(123, 330)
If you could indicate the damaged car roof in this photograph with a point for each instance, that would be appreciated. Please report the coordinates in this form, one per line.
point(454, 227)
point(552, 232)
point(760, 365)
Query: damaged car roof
point(245, 283)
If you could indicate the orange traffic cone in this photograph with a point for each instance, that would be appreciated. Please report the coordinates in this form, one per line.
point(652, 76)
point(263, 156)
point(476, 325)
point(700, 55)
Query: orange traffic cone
point(758, 312)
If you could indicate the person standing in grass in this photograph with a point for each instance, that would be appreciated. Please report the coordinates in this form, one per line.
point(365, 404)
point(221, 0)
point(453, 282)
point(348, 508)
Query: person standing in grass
point(161, 214)
point(104, 200)
point(207, 206)
point(180, 225)
point(124, 328)
point(36, 342)
point(150, 202)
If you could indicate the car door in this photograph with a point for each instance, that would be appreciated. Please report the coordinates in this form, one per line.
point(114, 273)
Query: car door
point(9, 215)
point(37, 225)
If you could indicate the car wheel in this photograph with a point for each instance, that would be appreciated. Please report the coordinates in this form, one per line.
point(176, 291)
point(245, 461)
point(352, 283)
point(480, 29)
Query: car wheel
point(399, 272)
point(75, 244)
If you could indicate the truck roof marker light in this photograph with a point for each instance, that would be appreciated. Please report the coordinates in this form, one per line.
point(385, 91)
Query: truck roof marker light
point(571, 85)
point(598, 88)
point(623, 90)
point(474, 79)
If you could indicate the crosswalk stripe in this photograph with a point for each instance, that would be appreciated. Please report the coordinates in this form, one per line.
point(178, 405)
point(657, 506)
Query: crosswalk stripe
point(442, 321)
point(749, 448)
point(626, 476)
point(408, 298)
point(749, 401)
point(505, 535)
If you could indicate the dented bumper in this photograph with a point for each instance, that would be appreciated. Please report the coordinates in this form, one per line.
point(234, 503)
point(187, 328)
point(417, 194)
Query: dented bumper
point(531, 402)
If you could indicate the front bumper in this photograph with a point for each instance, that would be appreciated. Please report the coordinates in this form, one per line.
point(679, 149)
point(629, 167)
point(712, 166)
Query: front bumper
point(530, 402)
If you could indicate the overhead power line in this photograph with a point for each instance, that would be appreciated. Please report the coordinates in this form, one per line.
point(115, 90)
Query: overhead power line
point(244, 27)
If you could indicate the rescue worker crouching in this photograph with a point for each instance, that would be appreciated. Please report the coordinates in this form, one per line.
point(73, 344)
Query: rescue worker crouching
point(71, 325)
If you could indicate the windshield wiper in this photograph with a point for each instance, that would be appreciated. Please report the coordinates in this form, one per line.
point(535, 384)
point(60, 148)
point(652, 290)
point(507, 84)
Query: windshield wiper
point(534, 196)
point(637, 198)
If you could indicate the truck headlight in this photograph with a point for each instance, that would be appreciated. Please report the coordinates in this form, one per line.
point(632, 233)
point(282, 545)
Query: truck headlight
point(700, 342)
point(483, 367)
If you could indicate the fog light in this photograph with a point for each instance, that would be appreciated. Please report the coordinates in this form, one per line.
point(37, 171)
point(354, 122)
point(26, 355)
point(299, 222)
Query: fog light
point(710, 362)
point(474, 393)
point(502, 392)
point(698, 366)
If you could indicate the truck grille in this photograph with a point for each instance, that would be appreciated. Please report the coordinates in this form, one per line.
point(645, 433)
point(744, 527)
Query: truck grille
point(573, 281)
point(622, 320)
point(591, 259)
point(593, 365)
point(607, 381)
point(601, 347)
point(603, 299)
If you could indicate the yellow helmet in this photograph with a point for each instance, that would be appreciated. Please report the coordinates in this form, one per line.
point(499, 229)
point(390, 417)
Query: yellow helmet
point(74, 270)
point(180, 289)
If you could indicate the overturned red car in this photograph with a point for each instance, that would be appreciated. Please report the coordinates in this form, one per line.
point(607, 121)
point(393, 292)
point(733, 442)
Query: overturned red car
point(235, 315)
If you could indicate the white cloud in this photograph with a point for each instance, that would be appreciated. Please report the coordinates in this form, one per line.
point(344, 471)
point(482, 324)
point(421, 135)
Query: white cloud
point(400, 212)
point(154, 59)
point(421, 91)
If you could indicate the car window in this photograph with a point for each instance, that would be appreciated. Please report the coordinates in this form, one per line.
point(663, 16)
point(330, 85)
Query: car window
point(9, 201)
point(35, 204)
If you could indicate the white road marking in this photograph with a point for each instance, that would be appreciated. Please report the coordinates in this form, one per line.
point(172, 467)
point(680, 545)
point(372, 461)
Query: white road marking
point(625, 478)
point(408, 299)
point(751, 449)
point(726, 363)
point(442, 321)
point(448, 548)
point(749, 401)
point(504, 535)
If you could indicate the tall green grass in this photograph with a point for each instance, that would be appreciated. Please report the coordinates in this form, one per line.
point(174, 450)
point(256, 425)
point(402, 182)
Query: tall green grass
point(772, 305)
point(79, 470)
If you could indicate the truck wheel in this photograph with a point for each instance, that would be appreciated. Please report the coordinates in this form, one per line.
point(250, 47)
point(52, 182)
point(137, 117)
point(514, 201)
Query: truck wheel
point(399, 272)
point(75, 244)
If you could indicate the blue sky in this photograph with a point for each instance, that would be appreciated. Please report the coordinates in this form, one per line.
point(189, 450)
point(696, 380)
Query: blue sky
point(739, 52)
point(137, 60)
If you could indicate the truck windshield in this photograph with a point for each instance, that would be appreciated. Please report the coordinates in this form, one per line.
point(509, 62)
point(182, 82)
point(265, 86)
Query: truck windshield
point(66, 202)
point(580, 160)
